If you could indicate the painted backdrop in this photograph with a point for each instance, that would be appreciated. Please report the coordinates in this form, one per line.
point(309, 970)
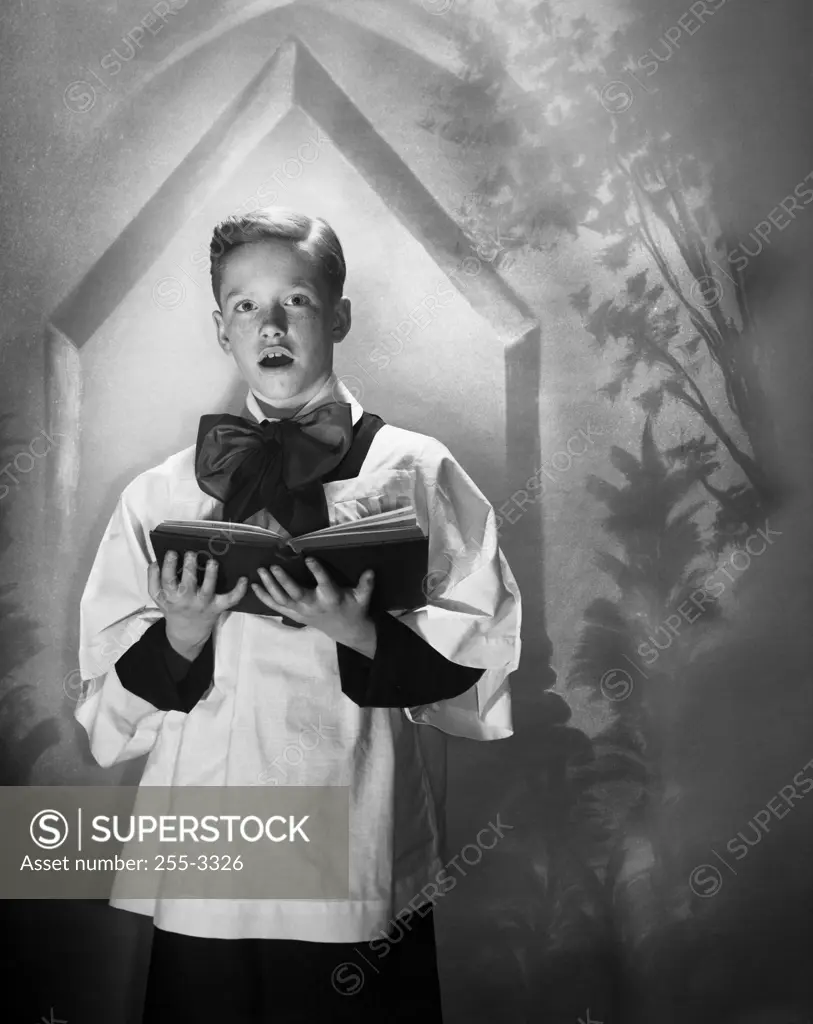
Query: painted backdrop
point(578, 249)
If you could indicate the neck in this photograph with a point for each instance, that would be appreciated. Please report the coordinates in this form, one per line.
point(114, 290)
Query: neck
point(277, 413)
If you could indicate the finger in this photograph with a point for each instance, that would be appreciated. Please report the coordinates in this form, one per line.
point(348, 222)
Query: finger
point(266, 599)
point(168, 570)
point(234, 596)
point(273, 588)
point(154, 581)
point(269, 602)
point(207, 588)
point(189, 576)
point(364, 588)
point(287, 583)
point(322, 577)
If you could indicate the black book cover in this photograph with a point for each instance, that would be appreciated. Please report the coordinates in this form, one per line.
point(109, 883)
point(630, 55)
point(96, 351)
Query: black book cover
point(398, 558)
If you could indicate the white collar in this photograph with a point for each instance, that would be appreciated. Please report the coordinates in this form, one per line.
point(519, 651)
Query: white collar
point(334, 390)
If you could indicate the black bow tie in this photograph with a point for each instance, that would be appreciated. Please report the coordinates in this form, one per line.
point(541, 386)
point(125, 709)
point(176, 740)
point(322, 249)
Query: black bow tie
point(277, 466)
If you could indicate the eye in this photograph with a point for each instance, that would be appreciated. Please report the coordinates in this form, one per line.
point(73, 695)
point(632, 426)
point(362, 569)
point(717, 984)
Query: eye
point(299, 299)
point(245, 306)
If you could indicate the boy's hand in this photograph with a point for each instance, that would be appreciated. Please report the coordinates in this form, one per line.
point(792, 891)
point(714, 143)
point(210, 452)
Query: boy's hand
point(190, 611)
point(340, 612)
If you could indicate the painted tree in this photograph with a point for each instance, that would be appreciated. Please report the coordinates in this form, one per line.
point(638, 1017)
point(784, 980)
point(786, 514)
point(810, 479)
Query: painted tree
point(633, 651)
point(558, 130)
point(567, 133)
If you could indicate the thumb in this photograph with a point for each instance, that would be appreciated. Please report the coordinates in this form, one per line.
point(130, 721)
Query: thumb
point(365, 585)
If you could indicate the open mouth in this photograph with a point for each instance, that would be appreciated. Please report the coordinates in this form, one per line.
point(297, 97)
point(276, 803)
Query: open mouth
point(275, 359)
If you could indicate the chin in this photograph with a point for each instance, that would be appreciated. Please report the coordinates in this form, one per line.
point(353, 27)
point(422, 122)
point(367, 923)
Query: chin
point(291, 385)
point(276, 390)
point(277, 385)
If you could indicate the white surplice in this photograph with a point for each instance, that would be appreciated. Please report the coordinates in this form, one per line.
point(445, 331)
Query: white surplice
point(273, 685)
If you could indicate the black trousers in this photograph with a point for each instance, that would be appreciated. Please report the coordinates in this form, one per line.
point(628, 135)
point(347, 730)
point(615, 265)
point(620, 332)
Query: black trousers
point(254, 981)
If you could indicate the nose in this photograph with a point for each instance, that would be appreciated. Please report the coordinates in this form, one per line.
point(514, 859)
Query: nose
point(275, 322)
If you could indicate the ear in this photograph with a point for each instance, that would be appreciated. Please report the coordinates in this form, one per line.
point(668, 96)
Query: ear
point(342, 320)
point(220, 327)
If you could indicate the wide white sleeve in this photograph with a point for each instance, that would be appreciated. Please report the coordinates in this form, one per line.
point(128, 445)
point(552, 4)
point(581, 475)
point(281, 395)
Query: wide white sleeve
point(473, 611)
point(115, 611)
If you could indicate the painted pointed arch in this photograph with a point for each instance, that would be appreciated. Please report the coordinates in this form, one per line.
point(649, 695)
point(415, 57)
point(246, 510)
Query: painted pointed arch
point(292, 78)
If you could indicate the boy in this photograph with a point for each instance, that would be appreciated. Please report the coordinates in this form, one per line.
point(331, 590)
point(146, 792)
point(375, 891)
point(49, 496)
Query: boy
point(216, 696)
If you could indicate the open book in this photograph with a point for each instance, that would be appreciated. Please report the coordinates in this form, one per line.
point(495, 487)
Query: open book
point(390, 543)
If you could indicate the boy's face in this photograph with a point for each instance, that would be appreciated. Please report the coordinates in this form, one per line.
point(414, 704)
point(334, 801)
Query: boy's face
point(277, 321)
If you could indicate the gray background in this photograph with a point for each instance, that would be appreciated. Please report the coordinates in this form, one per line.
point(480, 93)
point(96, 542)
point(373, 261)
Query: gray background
point(107, 338)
